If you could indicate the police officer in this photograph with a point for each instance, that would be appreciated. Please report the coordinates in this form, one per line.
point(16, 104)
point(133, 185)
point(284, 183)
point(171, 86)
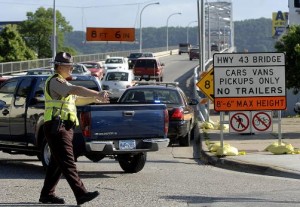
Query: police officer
point(60, 116)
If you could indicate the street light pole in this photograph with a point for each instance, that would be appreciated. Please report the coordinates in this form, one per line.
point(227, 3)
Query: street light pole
point(141, 36)
point(168, 28)
point(54, 31)
point(187, 31)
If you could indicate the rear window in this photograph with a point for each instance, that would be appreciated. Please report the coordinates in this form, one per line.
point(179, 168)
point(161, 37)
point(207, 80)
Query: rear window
point(135, 55)
point(91, 65)
point(118, 76)
point(184, 45)
point(114, 60)
point(151, 96)
point(146, 63)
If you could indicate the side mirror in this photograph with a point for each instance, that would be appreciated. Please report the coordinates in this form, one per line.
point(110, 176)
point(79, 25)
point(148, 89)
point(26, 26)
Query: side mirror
point(2, 104)
point(193, 102)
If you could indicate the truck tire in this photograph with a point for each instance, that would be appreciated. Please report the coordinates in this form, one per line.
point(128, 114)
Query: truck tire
point(132, 163)
point(45, 154)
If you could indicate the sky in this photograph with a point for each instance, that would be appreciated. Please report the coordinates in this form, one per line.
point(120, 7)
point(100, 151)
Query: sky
point(126, 13)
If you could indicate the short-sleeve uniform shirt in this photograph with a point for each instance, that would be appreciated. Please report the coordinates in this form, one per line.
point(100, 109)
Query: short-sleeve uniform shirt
point(59, 87)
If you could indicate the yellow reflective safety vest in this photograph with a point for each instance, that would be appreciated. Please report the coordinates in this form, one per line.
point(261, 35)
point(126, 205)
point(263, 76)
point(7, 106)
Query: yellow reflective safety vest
point(65, 107)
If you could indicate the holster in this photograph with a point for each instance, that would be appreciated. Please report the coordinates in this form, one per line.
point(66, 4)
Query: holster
point(56, 124)
point(69, 124)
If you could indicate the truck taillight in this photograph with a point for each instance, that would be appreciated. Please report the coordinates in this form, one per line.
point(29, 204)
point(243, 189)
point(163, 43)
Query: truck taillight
point(166, 128)
point(177, 114)
point(85, 123)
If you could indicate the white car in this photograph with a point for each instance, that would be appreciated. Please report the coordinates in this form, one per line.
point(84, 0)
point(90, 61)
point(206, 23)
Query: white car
point(116, 63)
point(117, 81)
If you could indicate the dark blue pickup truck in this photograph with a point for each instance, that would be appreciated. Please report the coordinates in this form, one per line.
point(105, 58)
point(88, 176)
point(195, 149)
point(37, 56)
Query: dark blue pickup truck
point(105, 130)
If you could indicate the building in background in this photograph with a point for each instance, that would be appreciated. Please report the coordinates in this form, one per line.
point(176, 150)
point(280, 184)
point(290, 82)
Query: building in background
point(294, 12)
point(2, 24)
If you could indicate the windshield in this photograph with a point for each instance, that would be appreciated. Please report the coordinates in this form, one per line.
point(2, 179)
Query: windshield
point(113, 60)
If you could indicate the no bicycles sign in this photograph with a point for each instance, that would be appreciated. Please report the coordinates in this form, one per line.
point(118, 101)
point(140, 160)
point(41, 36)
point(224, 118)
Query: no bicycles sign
point(250, 121)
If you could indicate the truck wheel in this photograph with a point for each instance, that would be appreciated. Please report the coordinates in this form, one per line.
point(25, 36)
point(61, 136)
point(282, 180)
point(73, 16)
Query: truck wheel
point(186, 140)
point(45, 154)
point(161, 79)
point(132, 163)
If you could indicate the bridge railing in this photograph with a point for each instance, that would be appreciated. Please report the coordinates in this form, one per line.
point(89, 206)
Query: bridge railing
point(8, 68)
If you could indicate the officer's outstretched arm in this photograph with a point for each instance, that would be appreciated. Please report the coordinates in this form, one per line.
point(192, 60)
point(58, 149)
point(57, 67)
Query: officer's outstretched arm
point(97, 97)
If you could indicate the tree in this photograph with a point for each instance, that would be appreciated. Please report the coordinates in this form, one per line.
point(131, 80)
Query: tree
point(289, 43)
point(13, 47)
point(37, 31)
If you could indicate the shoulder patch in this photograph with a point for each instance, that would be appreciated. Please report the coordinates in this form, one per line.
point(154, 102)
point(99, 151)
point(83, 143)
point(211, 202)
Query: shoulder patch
point(60, 80)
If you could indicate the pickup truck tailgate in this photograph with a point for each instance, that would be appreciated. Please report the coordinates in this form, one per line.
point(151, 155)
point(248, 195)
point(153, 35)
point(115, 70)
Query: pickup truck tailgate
point(123, 121)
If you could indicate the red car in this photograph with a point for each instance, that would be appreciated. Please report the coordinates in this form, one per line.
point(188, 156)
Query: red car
point(96, 68)
point(148, 69)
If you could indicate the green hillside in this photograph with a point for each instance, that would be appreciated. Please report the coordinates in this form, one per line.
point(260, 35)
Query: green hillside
point(254, 35)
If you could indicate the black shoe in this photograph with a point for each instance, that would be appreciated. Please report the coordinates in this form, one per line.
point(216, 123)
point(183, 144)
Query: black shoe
point(87, 197)
point(51, 199)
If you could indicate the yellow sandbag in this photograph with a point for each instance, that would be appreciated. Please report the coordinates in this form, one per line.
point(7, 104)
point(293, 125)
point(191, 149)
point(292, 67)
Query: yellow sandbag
point(282, 149)
point(228, 151)
point(207, 125)
point(274, 145)
point(215, 146)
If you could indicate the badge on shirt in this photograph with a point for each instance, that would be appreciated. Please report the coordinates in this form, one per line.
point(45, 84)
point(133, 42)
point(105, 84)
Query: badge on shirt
point(61, 80)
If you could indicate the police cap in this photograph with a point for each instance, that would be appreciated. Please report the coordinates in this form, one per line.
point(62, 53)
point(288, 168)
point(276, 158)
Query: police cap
point(63, 58)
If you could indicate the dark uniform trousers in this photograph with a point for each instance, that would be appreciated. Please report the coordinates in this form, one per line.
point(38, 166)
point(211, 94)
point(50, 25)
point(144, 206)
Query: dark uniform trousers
point(61, 162)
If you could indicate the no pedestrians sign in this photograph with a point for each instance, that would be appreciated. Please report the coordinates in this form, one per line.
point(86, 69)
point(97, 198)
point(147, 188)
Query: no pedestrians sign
point(249, 81)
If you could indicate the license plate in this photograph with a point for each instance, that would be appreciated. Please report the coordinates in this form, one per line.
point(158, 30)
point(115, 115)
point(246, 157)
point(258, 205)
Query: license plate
point(127, 144)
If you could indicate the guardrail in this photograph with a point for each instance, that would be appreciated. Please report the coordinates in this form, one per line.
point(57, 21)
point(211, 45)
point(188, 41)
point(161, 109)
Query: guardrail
point(22, 66)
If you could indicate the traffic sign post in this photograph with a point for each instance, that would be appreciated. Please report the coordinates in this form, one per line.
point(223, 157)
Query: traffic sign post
point(249, 81)
point(110, 34)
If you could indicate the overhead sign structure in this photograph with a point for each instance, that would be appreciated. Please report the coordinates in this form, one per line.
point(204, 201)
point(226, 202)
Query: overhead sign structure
point(110, 34)
point(249, 81)
point(205, 84)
